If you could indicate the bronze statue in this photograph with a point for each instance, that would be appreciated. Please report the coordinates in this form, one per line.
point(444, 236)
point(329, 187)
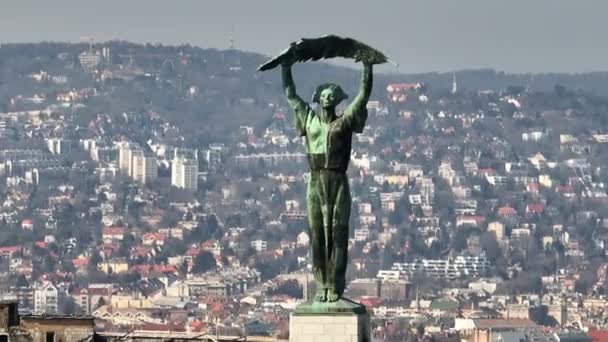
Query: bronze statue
point(328, 145)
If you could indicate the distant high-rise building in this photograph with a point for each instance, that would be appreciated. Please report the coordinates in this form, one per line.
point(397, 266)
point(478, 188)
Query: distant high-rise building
point(559, 312)
point(25, 297)
point(87, 144)
point(184, 173)
point(213, 158)
point(189, 153)
point(427, 191)
point(46, 299)
point(124, 157)
point(5, 129)
point(107, 55)
point(498, 229)
point(32, 176)
point(133, 153)
point(144, 168)
point(89, 60)
point(259, 245)
point(59, 146)
point(446, 172)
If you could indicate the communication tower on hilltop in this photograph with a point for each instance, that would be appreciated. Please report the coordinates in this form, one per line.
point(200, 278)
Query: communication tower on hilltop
point(233, 58)
point(454, 85)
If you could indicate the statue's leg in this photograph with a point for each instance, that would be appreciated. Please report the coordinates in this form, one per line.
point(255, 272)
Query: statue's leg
point(327, 196)
point(324, 195)
point(339, 253)
point(317, 236)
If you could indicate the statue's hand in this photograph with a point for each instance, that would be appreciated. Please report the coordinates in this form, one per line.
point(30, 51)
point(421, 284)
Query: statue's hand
point(369, 61)
point(368, 58)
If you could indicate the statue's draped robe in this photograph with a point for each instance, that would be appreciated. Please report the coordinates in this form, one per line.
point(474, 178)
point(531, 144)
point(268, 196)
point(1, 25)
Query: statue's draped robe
point(328, 147)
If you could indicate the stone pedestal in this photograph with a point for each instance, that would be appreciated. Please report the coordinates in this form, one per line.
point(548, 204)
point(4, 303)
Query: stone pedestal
point(342, 321)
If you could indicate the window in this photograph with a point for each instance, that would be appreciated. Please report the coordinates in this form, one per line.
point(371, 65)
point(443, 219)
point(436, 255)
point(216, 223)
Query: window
point(50, 336)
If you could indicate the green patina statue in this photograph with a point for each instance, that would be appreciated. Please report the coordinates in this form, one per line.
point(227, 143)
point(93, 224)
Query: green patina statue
point(328, 144)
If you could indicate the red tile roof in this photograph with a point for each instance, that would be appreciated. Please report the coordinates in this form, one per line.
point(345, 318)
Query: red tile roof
point(401, 86)
point(141, 251)
point(370, 302)
point(80, 262)
point(478, 219)
point(99, 291)
point(535, 208)
point(598, 335)
point(113, 231)
point(79, 291)
point(564, 188)
point(193, 251)
point(155, 236)
point(9, 249)
point(533, 187)
point(152, 268)
point(279, 116)
point(507, 211)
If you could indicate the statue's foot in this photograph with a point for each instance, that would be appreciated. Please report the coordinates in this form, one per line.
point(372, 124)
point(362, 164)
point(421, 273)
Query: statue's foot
point(321, 296)
point(332, 295)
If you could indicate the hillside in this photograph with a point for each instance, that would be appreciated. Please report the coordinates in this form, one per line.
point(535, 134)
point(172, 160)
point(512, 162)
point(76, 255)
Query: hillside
point(209, 93)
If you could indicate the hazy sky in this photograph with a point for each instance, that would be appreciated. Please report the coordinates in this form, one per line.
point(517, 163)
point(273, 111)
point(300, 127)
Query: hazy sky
point(421, 35)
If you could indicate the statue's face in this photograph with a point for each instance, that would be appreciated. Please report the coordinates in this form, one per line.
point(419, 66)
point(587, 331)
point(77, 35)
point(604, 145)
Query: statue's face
point(328, 98)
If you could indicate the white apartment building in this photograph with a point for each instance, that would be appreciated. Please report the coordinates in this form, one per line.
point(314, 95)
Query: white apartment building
point(452, 268)
point(213, 158)
point(269, 158)
point(389, 275)
point(498, 229)
point(145, 168)
point(89, 59)
point(365, 208)
point(367, 220)
point(124, 157)
point(46, 299)
point(361, 234)
point(427, 191)
point(388, 200)
point(259, 245)
point(446, 172)
point(395, 310)
point(58, 146)
point(132, 153)
point(184, 173)
point(188, 153)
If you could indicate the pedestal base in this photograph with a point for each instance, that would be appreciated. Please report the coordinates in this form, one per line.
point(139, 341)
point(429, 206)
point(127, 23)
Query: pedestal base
point(342, 321)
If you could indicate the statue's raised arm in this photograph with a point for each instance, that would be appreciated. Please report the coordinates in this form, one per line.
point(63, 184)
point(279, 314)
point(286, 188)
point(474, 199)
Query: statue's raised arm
point(299, 107)
point(356, 112)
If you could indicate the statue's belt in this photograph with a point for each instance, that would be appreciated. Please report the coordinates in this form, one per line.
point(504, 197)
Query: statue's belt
point(319, 162)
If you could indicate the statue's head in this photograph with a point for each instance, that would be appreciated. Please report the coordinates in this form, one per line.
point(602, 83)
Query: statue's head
point(329, 95)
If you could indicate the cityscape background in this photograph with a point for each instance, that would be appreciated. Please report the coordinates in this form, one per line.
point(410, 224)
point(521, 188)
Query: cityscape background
point(152, 181)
